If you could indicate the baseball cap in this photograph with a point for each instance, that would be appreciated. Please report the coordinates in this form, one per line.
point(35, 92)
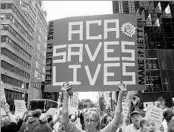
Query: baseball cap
point(135, 112)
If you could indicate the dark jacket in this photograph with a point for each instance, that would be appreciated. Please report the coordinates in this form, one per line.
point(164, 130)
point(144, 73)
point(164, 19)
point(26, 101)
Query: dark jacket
point(23, 127)
point(32, 123)
point(43, 128)
point(12, 127)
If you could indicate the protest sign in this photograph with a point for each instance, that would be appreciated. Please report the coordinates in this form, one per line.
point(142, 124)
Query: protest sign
point(95, 53)
point(147, 104)
point(52, 111)
point(125, 107)
point(155, 114)
point(3, 99)
point(20, 107)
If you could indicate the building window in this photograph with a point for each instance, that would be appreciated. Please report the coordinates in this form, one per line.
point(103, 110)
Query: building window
point(3, 38)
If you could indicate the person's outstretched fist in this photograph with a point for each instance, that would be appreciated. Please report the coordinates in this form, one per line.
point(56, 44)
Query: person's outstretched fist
point(122, 87)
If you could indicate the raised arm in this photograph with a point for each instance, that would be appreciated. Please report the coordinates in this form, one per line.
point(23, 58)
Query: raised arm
point(69, 127)
point(8, 112)
point(114, 124)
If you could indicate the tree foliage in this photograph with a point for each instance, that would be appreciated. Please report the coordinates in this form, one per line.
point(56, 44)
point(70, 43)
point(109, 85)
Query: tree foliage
point(85, 103)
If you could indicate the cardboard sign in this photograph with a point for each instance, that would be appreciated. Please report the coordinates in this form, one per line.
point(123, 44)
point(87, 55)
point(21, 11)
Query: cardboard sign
point(3, 99)
point(147, 104)
point(155, 114)
point(52, 111)
point(95, 53)
point(20, 107)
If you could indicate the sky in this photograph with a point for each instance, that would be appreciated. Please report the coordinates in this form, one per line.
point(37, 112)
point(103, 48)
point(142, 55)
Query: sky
point(62, 9)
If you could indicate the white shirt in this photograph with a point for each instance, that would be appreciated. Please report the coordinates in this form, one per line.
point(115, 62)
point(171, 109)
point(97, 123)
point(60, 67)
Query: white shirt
point(165, 126)
point(131, 128)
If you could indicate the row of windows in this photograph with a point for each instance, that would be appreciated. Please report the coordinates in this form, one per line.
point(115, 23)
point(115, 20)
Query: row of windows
point(23, 4)
point(8, 40)
point(42, 28)
point(11, 81)
point(15, 70)
point(7, 27)
point(15, 58)
point(11, 6)
point(12, 95)
point(17, 24)
point(152, 64)
point(42, 20)
point(39, 66)
point(28, 17)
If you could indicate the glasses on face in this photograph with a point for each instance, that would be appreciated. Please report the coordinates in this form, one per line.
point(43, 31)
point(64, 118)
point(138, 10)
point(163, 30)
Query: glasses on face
point(90, 120)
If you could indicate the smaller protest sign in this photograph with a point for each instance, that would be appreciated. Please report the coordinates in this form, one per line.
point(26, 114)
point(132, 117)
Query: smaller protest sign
point(52, 111)
point(147, 104)
point(155, 114)
point(20, 107)
point(3, 99)
point(125, 107)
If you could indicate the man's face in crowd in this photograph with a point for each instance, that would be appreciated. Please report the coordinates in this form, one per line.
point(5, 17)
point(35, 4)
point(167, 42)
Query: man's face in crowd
point(136, 119)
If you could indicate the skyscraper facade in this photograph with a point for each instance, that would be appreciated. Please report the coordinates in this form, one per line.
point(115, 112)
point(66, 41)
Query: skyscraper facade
point(159, 45)
point(19, 33)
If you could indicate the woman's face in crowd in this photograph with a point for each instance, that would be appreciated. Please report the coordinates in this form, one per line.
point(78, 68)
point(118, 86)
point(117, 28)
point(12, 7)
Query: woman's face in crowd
point(109, 119)
point(136, 119)
point(149, 126)
point(91, 122)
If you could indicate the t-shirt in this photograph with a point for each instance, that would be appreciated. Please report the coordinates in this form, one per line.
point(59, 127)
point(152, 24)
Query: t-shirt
point(131, 128)
point(165, 126)
point(111, 127)
point(43, 128)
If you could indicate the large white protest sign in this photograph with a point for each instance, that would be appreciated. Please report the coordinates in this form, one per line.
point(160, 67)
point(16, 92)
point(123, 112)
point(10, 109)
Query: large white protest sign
point(3, 98)
point(20, 107)
point(96, 53)
point(155, 114)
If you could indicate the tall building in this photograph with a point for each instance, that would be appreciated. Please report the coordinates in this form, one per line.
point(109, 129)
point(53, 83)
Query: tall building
point(20, 22)
point(159, 45)
point(39, 51)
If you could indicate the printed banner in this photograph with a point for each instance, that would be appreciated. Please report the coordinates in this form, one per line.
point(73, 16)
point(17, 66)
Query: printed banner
point(155, 114)
point(95, 53)
point(20, 107)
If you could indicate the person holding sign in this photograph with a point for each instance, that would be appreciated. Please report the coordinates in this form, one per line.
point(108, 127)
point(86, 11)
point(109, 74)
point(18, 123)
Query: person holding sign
point(92, 116)
point(14, 125)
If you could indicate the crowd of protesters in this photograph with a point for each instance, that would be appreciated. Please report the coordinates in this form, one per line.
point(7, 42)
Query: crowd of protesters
point(89, 120)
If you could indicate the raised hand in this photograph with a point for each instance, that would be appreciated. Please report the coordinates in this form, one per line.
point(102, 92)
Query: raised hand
point(6, 107)
point(67, 87)
point(122, 87)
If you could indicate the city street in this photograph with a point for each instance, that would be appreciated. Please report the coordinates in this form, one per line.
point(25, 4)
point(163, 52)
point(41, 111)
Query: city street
point(87, 66)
